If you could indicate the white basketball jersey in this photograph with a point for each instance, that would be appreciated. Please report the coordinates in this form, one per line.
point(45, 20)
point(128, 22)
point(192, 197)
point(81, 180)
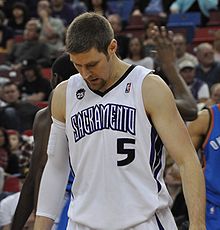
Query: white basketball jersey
point(115, 154)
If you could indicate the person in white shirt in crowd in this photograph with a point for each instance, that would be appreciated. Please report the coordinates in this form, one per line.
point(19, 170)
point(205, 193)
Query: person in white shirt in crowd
point(180, 44)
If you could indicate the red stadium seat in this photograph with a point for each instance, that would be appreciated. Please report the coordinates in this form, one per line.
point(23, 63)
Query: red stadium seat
point(204, 34)
point(46, 73)
point(214, 18)
point(11, 184)
point(41, 104)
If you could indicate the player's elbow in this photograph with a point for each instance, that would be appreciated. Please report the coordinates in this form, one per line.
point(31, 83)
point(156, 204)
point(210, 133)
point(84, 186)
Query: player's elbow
point(191, 114)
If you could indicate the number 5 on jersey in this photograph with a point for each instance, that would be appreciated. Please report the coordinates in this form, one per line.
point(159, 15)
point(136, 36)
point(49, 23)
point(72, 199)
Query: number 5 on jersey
point(122, 150)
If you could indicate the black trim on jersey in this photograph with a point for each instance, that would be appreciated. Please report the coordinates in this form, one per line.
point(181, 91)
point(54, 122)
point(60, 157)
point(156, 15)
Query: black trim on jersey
point(102, 94)
point(209, 126)
point(159, 223)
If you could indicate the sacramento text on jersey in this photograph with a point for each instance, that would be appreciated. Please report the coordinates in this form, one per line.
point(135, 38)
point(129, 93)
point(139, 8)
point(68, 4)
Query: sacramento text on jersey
point(110, 116)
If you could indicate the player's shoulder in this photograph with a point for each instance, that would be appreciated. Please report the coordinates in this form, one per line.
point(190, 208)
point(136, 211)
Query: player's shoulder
point(62, 85)
point(60, 90)
point(201, 123)
point(41, 115)
point(154, 84)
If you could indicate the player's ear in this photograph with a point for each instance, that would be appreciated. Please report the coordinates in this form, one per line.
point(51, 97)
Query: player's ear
point(112, 48)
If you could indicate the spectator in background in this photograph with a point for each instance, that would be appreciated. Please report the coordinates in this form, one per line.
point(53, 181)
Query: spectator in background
point(22, 149)
point(203, 6)
point(8, 205)
point(6, 35)
point(208, 70)
point(122, 39)
point(53, 29)
point(98, 6)
point(155, 7)
point(198, 88)
point(30, 48)
point(63, 11)
point(215, 95)
point(17, 114)
point(148, 7)
point(18, 18)
point(79, 7)
point(7, 210)
point(8, 160)
point(136, 54)
point(122, 7)
point(33, 87)
point(3, 149)
point(179, 42)
point(7, 4)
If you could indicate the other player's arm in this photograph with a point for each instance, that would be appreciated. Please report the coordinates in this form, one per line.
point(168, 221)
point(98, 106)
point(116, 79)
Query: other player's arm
point(28, 196)
point(55, 175)
point(185, 102)
point(160, 106)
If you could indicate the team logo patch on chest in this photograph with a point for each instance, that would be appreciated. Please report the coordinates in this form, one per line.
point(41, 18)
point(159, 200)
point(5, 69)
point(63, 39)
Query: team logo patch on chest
point(80, 93)
point(110, 116)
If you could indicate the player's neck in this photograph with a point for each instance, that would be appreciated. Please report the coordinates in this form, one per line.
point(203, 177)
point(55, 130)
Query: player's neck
point(120, 68)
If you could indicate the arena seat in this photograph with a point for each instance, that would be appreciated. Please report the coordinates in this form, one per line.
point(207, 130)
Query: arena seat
point(41, 104)
point(214, 18)
point(205, 34)
point(187, 18)
point(11, 184)
point(188, 30)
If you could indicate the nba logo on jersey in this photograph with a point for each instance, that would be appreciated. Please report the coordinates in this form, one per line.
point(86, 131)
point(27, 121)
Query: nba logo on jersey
point(128, 87)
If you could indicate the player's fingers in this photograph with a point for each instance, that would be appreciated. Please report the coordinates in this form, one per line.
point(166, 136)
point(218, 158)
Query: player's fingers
point(163, 31)
point(156, 35)
point(170, 35)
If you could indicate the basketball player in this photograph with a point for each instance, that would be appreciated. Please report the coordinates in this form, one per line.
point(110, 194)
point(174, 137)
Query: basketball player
point(205, 133)
point(109, 122)
point(62, 69)
point(184, 100)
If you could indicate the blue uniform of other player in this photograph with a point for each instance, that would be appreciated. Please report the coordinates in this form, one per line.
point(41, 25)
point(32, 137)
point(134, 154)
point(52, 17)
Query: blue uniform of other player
point(211, 148)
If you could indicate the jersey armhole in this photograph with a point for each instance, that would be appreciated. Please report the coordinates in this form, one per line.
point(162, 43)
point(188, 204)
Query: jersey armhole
point(209, 129)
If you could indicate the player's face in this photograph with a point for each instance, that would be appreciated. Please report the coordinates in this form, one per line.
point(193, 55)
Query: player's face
point(95, 68)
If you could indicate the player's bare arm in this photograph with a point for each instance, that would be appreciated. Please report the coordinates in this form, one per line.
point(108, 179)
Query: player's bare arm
point(58, 105)
point(160, 106)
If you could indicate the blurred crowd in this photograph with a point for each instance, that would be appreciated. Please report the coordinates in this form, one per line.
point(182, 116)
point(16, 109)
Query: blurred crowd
point(32, 36)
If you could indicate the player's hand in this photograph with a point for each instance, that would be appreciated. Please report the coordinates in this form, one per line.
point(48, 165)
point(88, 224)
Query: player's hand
point(164, 45)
